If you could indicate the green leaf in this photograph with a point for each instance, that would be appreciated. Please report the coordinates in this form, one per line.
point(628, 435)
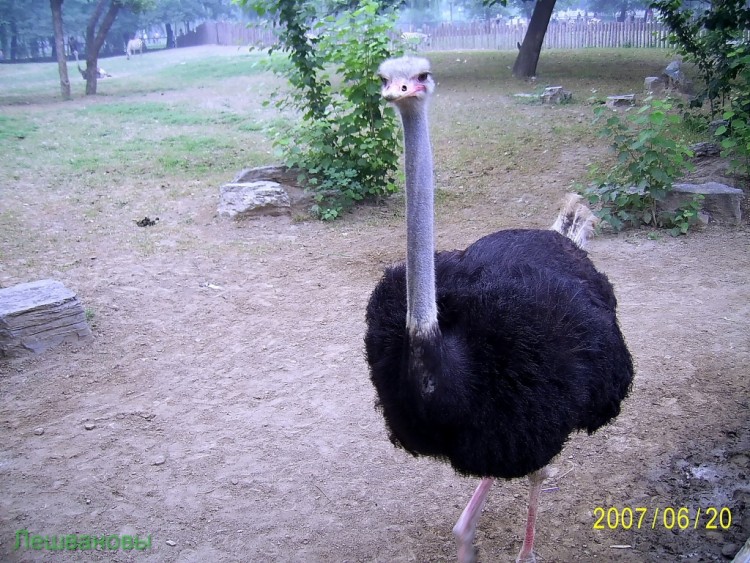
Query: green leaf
point(657, 118)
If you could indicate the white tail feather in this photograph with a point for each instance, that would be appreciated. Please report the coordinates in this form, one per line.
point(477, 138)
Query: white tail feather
point(575, 221)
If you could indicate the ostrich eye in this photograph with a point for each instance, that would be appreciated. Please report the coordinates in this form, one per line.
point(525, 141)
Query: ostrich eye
point(423, 77)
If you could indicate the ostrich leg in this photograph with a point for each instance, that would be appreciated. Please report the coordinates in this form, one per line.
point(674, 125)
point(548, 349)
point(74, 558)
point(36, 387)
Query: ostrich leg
point(535, 487)
point(466, 526)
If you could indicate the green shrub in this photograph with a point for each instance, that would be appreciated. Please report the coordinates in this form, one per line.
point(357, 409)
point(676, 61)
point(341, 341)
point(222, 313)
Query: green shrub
point(735, 136)
point(648, 162)
point(713, 37)
point(707, 36)
point(346, 143)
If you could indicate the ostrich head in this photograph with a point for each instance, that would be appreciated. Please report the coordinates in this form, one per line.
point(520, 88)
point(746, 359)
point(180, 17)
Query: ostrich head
point(406, 81)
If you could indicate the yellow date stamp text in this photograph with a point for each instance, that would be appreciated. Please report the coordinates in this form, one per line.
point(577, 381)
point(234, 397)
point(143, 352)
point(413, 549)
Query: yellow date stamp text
point(667, 518)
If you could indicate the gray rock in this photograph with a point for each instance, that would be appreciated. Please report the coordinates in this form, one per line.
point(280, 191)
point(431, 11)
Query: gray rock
point(653, 84)
point(703, 149)
point(39, 315)
point(253, 199)
point(674, 69)
point(556, 95)
point(624, 100)
point(674, 78)
point(288, 178)
point(275, 173)
point(721, 202)
point(729, 549)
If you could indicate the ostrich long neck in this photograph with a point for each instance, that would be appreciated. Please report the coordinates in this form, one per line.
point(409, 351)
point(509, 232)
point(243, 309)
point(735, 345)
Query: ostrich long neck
point(421, 314)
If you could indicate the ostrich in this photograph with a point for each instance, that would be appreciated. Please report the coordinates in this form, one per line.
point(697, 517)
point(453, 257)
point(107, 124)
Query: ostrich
point(100, 72)
point(490, 357)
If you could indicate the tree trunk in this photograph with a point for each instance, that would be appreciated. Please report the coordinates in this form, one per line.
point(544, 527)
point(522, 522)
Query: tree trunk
point(95, 40)
point(170, 36)
point(528, 56)
point(3, 41)
point(62, 65)
point(13, 41)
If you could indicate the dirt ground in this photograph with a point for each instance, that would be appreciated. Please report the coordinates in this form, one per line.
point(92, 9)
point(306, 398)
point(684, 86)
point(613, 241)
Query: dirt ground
point(224, 407)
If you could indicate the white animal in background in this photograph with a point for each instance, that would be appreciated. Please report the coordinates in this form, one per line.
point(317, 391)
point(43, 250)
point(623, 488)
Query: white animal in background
point(133, 46)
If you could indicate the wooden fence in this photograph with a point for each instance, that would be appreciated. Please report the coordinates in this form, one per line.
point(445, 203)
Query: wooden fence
point(227, 33)
point(450, 37)
point(562, 35)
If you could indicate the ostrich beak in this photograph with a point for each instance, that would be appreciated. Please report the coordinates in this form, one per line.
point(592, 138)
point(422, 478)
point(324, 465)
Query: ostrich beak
point(397, 90)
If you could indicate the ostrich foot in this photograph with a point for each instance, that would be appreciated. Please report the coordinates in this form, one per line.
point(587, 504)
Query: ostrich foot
point(466, 552)
point(530, 558)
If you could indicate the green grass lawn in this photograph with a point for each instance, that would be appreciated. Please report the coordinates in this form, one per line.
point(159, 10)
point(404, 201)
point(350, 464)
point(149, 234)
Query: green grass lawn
point(180, 113)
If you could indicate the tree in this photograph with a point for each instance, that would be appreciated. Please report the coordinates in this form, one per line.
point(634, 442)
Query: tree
point(618, 9)
point(97, 28)
point(95, 38)
point(170, 12)
point(25, 27)
point(57, 24)
point(531, 48)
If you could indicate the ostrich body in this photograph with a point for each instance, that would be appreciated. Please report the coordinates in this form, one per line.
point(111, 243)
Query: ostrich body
point(490, 357)
point(100, 72)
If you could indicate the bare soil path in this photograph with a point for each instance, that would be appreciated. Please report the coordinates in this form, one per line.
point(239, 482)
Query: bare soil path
point(225, 410)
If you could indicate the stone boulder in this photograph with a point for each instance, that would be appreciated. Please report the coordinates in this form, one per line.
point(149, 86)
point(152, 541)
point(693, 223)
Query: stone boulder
point(274, 173)
point(673, 76)
point(40, 315)
point(265, 190)
point(705, 149)
point(239, 200)
point(556, 95)
point(721, 202)
point(654, 85)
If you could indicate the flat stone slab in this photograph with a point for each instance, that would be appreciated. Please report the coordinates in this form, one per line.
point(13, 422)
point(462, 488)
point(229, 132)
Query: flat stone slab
point(40, 315)
point(721, 202)
point(625, 100)
point(240, 200)
point(274, 173)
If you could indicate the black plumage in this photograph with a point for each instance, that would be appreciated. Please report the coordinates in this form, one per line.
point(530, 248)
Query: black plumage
point(528, 351)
